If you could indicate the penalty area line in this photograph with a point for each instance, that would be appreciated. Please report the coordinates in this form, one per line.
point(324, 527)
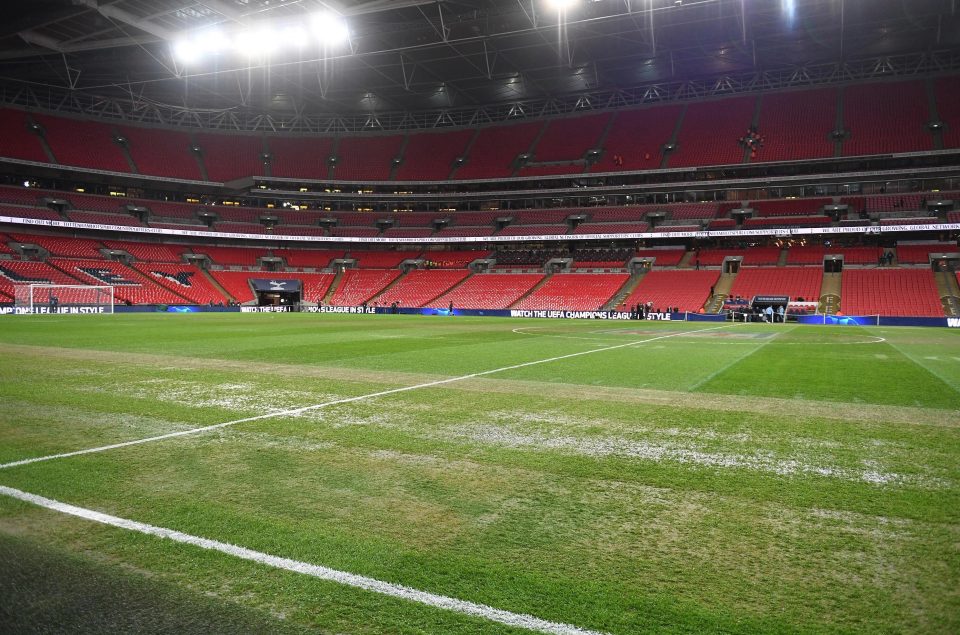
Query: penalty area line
point(297, 411)
point(520, 620)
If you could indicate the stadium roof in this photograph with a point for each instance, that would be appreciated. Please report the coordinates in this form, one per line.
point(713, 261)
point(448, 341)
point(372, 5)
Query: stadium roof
point(425, 55)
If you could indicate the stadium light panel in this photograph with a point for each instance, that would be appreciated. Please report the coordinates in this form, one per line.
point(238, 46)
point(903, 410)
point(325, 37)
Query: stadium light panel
point(562, 5)
point(329, 29)
point(186, 51)
point(212, 41)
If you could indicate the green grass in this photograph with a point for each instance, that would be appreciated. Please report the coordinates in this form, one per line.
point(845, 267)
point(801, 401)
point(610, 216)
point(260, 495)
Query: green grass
point(751, 478)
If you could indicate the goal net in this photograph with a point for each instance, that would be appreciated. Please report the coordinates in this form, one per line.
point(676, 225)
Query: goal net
point(63, 298)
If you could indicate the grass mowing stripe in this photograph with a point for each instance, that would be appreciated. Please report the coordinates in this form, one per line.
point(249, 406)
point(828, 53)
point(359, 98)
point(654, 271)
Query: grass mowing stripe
point(337, 402)
point(735, 360)
point(953, 386)
point(519, 620)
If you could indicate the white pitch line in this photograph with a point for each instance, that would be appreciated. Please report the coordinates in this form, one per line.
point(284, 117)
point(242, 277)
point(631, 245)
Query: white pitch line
point(520, 620)
point(297, 411)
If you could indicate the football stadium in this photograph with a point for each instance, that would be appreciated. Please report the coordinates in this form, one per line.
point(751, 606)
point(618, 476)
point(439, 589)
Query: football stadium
point(577, 317)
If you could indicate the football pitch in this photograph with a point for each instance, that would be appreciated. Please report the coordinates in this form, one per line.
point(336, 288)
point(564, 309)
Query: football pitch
point(291, 473)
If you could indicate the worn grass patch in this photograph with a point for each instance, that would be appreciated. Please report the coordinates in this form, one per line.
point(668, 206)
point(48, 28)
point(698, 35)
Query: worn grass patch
point(752, 478)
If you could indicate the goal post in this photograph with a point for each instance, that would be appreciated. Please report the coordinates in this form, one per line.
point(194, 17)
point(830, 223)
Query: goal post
point(63, 298)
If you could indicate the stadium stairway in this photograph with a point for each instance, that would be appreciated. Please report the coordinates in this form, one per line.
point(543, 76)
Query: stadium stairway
point(450, 290)
point(333, 286)
point(532, 290)
point(216, 285)
point(389, 286)
point(830, 293)
point(624, 291)
point(949, 292)
point(721, 291)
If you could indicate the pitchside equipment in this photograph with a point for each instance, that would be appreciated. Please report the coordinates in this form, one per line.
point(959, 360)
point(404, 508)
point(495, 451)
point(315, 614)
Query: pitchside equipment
point(63, 298)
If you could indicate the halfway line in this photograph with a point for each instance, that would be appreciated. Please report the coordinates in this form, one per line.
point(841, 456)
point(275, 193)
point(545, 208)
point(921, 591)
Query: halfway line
point(520, 620)
point(297, 411)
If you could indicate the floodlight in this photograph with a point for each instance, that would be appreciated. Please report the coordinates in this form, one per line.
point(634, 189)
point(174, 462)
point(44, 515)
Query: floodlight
point(211, 41)
point(562, 5)
point(293, 36)
point(259, 43)
point(186, 51)
point(329, 29)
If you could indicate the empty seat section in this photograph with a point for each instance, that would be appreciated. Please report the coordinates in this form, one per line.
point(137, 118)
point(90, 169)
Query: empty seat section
point(183, 279)
point(796, 282)
point(171, 209)
point(920, 254)
point(797, 125)
point(637, 137)
point(908, 292)
point(104, 219)
point(87, 144)
point(429, 156)
point(239, 214)
point(41, 213)
point(884, 118)
point(715, 257)
point(761, 256)
point(147, 252)
point(663, 257)
point(948, 107)
point(806, 255)
point(421, 285)
point(551, 170)
point(791, 207)
point(367, 158)
point(538, 216)
point(858, 255)
point(689, 211)
point(63, 245)
point(453, 259)
point(494, 150)
point(18, 141)
point(360, 285)
point(489, 291)
point(229, 157)
point(240, 228)
point(569, 139)
point(709, 132)
point(21, 195)
point(162, 152)
point(315, 258)
point(465, 232)
point(381, 259)
point(236, 283)
point(684, 289)
point(246, 256)
point(575, 291)
point(618, 214)
point(19, 272)
point(129, 285)
point(299, 157)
